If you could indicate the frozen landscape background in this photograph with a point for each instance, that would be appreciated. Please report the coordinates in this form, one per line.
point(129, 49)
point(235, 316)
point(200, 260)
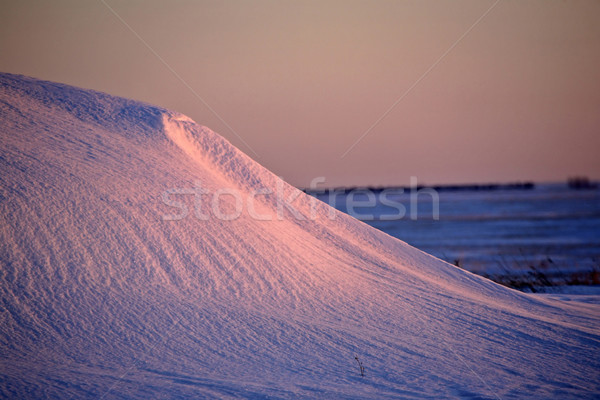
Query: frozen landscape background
point(110, 290)
point(523, 233)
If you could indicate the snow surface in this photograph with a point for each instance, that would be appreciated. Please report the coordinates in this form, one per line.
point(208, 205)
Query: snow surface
point(107, 294)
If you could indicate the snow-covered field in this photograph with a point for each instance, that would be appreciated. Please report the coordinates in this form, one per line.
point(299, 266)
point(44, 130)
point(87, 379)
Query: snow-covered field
point(143, 256)
point(500, 233)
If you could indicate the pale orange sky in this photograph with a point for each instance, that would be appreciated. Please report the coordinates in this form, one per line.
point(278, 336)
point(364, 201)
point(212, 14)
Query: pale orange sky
point(518, 98)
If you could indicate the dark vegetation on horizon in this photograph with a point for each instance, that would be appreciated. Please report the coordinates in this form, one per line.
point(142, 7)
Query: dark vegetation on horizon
point(581, 182)
point(439, 188)
point(574, 182)
point(537, 278)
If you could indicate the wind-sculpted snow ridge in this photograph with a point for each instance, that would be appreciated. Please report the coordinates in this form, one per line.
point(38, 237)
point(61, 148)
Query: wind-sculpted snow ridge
point(144, 256)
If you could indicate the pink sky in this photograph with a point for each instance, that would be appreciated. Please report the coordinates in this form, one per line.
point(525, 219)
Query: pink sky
point(298, 83)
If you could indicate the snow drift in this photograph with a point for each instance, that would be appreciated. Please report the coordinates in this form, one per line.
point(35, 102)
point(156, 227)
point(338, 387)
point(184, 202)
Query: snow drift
point(129, 269)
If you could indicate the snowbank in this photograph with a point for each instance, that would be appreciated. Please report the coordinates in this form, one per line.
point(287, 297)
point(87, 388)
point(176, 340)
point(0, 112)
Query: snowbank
point(142, 255)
